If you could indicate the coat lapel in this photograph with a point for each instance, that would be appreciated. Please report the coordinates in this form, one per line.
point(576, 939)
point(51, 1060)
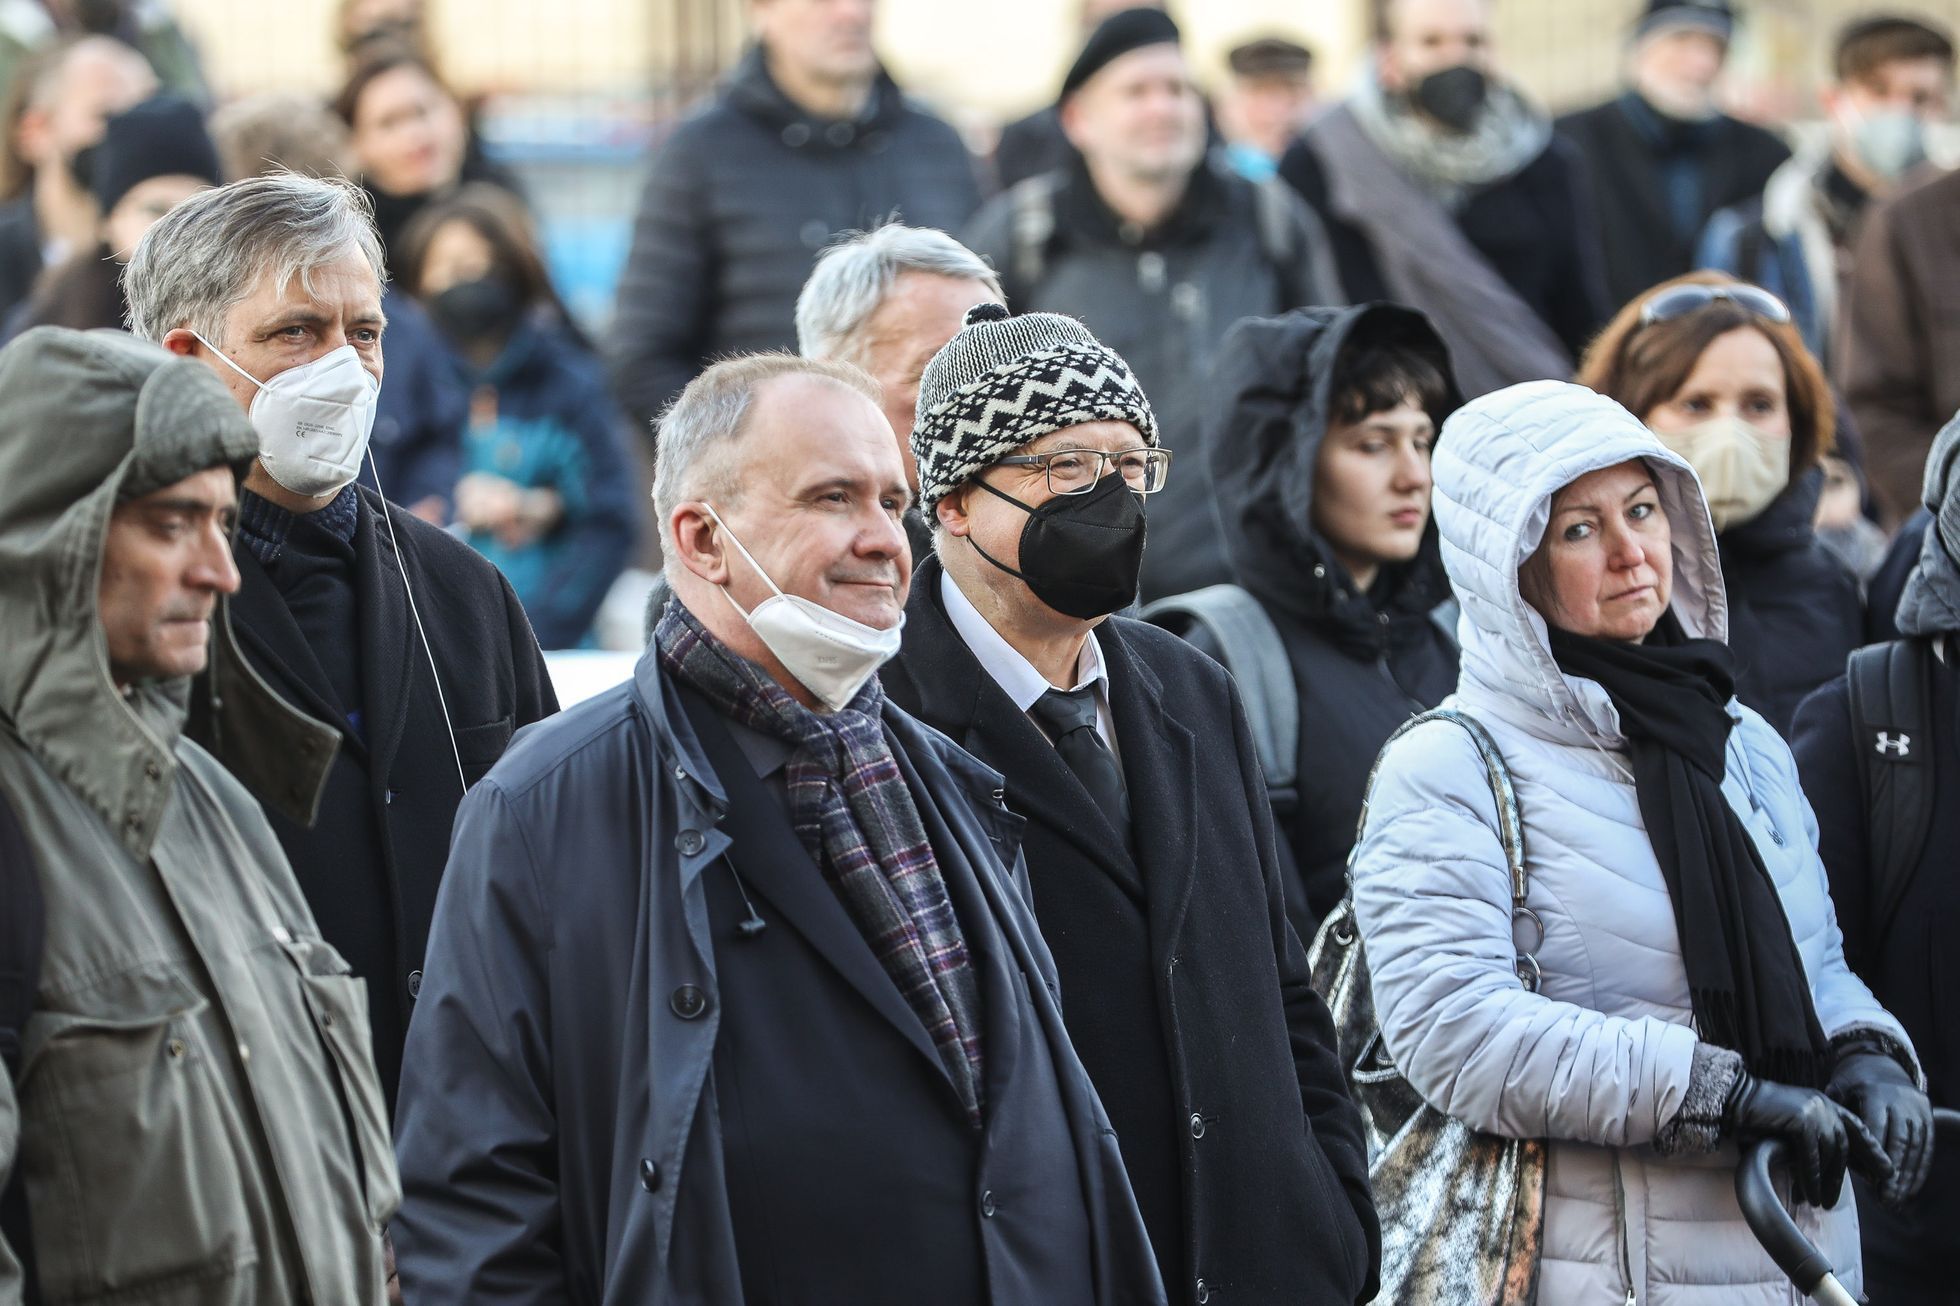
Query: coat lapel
point(955, 695)
point(774, 865)
point(391, 658)
point(1160, 766)
point(279, 650)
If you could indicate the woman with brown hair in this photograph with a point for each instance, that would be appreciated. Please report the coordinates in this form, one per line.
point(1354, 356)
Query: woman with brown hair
point(1717, 370)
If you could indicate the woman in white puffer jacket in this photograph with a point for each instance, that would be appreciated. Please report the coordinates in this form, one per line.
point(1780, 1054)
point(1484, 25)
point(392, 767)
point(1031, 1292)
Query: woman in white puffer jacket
point(1727, 934)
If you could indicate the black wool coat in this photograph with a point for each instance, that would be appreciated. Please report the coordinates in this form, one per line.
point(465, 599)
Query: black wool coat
point(738, 203)
point(371, 861)
point(1261, 1137)
point(1910, 962)
point(1626, 150)
point(1363, 661)
point(1795, 612)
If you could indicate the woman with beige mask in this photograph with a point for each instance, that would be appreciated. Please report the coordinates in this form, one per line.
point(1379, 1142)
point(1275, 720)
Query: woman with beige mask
point(1717, 371)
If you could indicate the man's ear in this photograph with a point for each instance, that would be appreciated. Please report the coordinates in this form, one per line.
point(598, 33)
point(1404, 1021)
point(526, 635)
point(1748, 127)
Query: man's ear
point(180, 341)
point(32, 138)
point(952, 514)
point(1070, 117)
point(698, 542)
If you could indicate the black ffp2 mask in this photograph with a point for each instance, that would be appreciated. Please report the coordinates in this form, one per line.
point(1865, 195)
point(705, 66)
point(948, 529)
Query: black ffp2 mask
point(1081, 554)
point(1454, 97)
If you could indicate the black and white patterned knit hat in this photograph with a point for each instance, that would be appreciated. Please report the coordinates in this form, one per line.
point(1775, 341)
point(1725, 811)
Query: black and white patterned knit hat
point(1004, 381)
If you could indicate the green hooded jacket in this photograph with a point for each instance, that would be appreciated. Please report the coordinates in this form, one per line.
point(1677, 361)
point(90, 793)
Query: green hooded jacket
point(198, 1118)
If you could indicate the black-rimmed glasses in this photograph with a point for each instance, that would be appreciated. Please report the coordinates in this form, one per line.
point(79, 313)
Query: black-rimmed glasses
point(1076, 471)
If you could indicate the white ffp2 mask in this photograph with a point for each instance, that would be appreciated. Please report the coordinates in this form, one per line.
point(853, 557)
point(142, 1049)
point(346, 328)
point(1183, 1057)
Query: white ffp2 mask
point(829, 653)
point(313, 420)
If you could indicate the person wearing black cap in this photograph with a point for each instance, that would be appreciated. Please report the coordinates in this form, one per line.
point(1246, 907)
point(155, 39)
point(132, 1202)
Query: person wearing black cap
point(150, 159)
point(1157, 247)
point(1152, 860)
point(1660, 157)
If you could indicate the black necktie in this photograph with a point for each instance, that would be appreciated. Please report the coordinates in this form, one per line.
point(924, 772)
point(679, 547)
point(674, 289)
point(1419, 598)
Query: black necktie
point(1070, 716)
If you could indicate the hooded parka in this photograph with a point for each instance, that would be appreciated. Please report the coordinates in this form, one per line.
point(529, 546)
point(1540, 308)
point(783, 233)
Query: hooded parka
point(1363, 661)
point(199, 1118)
point(1599, 1059)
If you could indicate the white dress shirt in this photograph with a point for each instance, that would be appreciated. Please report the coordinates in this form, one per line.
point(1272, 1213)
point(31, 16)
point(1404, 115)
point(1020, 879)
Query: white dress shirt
point(1014, 673)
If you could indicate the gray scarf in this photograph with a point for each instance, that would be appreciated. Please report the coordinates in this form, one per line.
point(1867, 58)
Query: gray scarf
point(1509, 134)
point(1930, 604)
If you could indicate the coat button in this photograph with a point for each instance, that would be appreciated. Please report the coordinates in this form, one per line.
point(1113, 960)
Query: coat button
point(649, 1175)
point(689, 842)
point(1776, 837)
point(1197, 1125)
point(688, 1002)
point(987, 1207)
point(414, 985)
point(1203, 1293)
point(152, 770)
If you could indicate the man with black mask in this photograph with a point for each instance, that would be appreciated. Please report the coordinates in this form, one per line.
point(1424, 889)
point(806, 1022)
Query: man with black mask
point(1444, 190)
point(1128, 754)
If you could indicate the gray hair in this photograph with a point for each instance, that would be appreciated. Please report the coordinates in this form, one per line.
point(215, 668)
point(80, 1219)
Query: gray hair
point(206, 254)
point(697, 433)
point(853, 277)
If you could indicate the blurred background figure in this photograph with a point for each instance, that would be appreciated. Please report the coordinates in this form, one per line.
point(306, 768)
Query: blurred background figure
point(55, 109)
point(1035, 143)
point(409, 137)
point(1661, 156)
point(282, 130)
point(361, 26)
point(1157, 247)
point(149, 160)
point(1718, 371)
point(1265, 102)
point(808, 137)
point(1892, 84)
point(546, 491)
point(146, 26)
point(1444, 190)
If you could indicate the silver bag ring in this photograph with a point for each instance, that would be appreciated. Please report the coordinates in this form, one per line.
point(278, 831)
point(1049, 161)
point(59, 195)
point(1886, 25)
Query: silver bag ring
point(1538, 923)
point(1529, 973)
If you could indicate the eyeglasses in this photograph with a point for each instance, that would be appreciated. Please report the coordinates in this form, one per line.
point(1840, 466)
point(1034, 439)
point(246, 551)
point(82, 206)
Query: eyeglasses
point(1683, 300)
point(1076, 471)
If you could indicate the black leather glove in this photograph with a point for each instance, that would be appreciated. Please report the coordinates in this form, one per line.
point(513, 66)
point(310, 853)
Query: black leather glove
point(1821, 1135)
point(1878, 1088)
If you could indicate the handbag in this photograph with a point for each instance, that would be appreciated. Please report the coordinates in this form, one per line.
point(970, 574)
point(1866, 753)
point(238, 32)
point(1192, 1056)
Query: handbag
point(1462, 1212)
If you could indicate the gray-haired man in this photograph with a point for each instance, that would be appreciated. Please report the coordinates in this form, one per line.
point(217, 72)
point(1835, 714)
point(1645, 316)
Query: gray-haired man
point(368, 619)
point(732, 993)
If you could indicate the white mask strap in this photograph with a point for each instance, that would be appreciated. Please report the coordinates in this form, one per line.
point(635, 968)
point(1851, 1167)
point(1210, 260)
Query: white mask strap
point(743, 549)
point(226, 359)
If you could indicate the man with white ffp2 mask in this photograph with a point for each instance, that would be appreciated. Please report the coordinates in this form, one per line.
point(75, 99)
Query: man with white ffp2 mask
point(359, 614)
point(743, 859)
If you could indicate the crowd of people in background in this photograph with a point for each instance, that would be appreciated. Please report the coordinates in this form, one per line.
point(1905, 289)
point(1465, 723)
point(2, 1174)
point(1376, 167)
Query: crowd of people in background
point(1107, 580)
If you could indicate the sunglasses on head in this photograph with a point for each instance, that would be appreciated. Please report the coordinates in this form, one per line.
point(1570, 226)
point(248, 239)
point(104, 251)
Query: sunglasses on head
point(1683, 300)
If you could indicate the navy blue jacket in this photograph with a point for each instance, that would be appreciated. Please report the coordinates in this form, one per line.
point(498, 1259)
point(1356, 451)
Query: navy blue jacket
point(418, 421)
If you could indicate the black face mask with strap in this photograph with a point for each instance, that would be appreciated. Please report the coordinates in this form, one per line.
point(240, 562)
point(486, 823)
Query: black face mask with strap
point(1081, 554)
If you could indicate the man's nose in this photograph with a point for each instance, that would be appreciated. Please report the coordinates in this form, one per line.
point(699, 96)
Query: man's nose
point(214, 568)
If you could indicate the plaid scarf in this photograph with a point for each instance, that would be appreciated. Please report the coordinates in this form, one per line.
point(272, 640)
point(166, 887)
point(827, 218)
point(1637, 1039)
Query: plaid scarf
point(852, 811)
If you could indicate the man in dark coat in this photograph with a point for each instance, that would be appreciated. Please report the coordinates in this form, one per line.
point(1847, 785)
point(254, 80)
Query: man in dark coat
point(1158, 247)
point(1150, 845)
point(809, 137)
point(1900, 941)
point(1320, 445)
point(1660, 158)
point(366, 618)
point(734, 993)
point(1444, 190)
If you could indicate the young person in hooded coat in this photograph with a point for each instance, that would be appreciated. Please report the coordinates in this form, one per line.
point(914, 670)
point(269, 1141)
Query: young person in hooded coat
point(1319, 447)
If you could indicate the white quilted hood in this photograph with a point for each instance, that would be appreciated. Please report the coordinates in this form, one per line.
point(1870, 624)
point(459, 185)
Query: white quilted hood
point(1499, 461)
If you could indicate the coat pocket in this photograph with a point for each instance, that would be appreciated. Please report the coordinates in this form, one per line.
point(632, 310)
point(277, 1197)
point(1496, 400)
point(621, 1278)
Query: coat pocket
point(479, 747)
point(339, 1007)
point(134, 1158)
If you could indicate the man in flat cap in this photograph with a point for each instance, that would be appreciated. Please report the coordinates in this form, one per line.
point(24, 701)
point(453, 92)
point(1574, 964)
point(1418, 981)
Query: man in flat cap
point(1149, 840)
point(199, 1116)
point(1158, 248)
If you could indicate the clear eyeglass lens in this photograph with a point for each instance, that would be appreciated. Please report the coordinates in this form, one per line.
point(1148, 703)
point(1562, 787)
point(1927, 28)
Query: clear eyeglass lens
point(1076, 472)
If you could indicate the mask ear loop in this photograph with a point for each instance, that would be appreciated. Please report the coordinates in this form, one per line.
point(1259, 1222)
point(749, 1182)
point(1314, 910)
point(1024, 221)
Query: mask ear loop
point(401, 560)
point(749, 557)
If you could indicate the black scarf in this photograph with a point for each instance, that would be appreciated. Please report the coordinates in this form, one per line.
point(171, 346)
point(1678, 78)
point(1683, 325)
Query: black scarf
point(1745, 978)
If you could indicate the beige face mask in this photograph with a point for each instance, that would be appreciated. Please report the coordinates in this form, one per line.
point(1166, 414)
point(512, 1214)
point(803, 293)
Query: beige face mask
point(1741, 469)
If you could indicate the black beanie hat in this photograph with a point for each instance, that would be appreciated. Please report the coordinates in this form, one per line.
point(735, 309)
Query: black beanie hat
point(164, 136)
point(1716, 17)
point(1117, 35)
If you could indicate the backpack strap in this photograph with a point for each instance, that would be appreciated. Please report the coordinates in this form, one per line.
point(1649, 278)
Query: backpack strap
point(1891, 691)
point(1749, 242)
point(1256, 657)
point(1510, 828)
point(1033, 226)
point(1275, 209)
point(23, 930)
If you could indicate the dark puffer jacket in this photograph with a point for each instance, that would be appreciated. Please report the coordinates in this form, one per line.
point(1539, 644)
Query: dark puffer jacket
point(741, 198)
point(1363, 662)
point(1794, 609)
